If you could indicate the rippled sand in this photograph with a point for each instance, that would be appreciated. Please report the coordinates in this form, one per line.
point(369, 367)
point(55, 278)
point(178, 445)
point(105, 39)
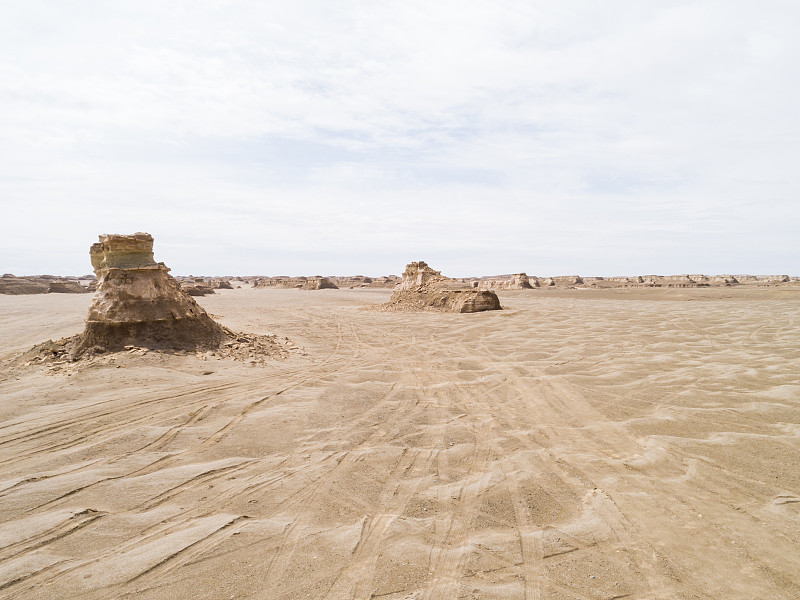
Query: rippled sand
point(580, 444)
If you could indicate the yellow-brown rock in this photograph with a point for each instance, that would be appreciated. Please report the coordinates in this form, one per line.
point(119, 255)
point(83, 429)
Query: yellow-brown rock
point(138, 303)
point(423, 288)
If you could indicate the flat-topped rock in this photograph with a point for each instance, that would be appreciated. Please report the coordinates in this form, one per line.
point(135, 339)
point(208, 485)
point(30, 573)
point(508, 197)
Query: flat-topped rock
point(116, 251)
point(138, 303)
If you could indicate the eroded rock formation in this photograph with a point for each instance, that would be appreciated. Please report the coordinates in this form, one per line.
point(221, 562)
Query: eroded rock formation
point(41, 284)
point(517, 281)
point(138, 303)
point(196, 286)
point(361, 281)
point(316, 282)
point(423, 288)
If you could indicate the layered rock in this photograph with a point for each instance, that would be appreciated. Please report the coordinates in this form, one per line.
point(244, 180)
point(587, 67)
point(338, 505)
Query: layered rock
point(18, 286)
point(196, 286)
point(138, 303)
point(362, 281)
point(423, 288)
point(67, 286)
point(722, 280)
point(316, 282)
point(517, 281)
point(43, 284)
point(568, 280)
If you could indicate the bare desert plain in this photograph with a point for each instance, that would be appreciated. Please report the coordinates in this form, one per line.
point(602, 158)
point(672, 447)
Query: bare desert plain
point(579, 444)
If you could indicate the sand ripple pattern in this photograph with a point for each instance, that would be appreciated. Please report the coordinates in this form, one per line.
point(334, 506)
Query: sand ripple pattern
point(568, 447)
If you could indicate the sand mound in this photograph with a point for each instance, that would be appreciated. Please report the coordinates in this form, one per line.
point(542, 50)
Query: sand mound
point(422, 288)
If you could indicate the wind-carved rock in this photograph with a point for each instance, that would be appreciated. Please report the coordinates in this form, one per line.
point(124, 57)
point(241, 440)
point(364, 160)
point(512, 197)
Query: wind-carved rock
point(138, 303)
point(423, 288)
point(317, 282)
point(517, 281)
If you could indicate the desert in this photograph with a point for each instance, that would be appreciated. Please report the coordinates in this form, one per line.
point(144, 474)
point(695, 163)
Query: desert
point(400, 300)
point(582, 442)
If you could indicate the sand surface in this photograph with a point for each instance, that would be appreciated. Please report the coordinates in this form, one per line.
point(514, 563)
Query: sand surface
point(582, 444)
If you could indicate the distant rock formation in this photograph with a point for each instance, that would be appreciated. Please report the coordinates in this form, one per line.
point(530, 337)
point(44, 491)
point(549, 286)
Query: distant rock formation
point(196, 286)
point(361, 281)
point(316, 282)
point(722, 280)
point(568, 280)
point(517, 281)
point(423, 288)
point(138, 303)
point(43, 284)
point(18, 286)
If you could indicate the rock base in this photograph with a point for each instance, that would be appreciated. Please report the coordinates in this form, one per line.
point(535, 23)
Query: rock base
point(199, 332)
point(455, 301)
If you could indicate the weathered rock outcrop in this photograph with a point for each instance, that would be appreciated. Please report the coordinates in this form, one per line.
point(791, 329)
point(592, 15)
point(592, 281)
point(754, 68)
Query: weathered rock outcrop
point(362, 281)
point(138, 303)
point(41, 284)
point(422, 288)
point(316, 282)
point(67, 286)
point(196, 286)
point(18, 286)
point(568, 280)
point(517, 281)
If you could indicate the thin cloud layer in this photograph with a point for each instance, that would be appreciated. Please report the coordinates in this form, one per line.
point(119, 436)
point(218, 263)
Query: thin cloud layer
point(484, 137)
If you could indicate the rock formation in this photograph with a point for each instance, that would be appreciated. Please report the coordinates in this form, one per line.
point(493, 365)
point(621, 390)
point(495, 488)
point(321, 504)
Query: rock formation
point(568, 280)
point(517, 281)
point(196, 286)
point(41, 284)
point(138, 303)
point(316, 282)
point(362, 281)
point(17, 286)
point(422, 288)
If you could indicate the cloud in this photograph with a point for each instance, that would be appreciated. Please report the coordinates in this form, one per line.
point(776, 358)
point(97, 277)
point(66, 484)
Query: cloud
point(590, 137)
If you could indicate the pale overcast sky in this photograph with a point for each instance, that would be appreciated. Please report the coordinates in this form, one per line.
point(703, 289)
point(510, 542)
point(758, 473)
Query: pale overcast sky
point(306, 137)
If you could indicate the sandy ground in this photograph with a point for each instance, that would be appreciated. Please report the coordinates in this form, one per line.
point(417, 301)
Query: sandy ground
point(580, 444)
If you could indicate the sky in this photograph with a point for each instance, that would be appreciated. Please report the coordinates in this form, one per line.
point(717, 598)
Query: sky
point(352, 137)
